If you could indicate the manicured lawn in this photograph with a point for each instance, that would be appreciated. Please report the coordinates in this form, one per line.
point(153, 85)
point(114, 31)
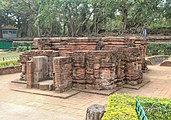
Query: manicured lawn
point(9, 54)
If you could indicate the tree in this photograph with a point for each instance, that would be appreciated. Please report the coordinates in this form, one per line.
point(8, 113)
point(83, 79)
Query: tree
point(83, 17)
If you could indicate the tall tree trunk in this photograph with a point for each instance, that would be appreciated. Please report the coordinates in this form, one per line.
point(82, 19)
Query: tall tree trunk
point(64, 29)
point(38, 31)
point(124, 20)
point(30, 29)
point(69, 33)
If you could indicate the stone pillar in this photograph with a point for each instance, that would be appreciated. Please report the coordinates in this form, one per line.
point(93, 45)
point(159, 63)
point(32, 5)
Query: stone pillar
point(40, 68)
point(23, 72)
point(79, 71)
point(57, 72)
point(62, 67)
point(29, 74)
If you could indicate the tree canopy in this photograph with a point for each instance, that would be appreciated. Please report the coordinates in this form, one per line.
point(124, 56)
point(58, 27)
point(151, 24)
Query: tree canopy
point(83, 17)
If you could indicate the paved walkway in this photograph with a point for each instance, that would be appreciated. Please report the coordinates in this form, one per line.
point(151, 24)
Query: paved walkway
point(23, 106)
point(159, 86)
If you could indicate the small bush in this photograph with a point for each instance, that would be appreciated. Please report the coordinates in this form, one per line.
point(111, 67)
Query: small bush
point(9, 63)
point(17, 44)
point(156, 108)
point(122, 107)
point(158, 49)
point(22, 46)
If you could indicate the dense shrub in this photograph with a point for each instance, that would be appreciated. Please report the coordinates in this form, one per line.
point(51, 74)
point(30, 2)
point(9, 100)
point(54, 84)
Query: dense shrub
point(22, 46)
point(156, 108)
point(11, 62)
point(122, 107)
point(158, 49)
point(17, 44)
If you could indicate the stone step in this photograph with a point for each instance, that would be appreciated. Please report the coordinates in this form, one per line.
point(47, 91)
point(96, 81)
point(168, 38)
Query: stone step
point(46, 85)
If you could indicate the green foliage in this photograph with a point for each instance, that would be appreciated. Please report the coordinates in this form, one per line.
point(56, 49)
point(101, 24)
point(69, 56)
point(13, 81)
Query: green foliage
point(11, 62)
point(9, 55)
point(156, 108)
point(17, 44)
point(158, 49)
point(122, 107)
point(22, 46)
point(83, 17)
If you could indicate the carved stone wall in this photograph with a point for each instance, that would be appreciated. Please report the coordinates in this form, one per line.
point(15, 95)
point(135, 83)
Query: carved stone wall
point(28, 55)
point(94, 69)
point(82, 63)
point(62, 68)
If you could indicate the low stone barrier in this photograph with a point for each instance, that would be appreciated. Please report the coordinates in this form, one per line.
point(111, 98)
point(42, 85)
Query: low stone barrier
point(166, 63)
point(10, 69)
point(157, 59)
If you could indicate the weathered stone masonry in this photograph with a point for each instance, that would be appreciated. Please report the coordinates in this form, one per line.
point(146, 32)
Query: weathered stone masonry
point(82, 63)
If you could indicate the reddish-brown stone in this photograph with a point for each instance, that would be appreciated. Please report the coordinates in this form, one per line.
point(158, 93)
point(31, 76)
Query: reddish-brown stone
point(10, 69)
point(62, 73)
point(30, 74)
point(119, 60)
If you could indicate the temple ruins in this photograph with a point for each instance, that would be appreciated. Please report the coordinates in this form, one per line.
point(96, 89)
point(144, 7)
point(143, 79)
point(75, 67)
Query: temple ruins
point(95, 63)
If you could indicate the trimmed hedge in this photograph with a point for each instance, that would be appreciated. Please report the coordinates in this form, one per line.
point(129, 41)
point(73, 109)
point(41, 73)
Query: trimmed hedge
point(122, 107)
point(156, 108)
point(22, 46)
point(158, 49)
point(17, 44)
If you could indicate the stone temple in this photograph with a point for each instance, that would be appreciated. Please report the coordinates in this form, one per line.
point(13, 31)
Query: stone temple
point(95, 63)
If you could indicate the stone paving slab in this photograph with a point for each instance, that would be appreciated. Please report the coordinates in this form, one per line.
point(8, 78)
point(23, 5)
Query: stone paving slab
point(63, 95)
point(159, 85)
point(41, 107)
point(10, 111)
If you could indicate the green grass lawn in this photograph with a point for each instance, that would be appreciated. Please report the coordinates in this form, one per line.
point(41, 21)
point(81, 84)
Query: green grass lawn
point(9, 54)
point(9, 58)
